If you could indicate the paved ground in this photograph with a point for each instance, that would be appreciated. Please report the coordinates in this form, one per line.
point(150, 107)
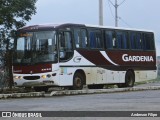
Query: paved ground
point(148, 100)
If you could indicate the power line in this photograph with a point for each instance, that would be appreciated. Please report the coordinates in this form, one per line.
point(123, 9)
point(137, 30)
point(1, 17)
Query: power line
point(116, 5)
point(110, 9)
point(122, 2)
point(125, 22)
point(111, 2)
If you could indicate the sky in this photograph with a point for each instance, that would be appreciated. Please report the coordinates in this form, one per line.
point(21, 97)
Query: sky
point(140, 14)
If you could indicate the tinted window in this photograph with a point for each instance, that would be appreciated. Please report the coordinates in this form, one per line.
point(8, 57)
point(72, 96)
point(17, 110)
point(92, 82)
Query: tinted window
point(95, 39)
point(136, 40)
point(110, 39)
point(65, 40)
point(84, 38)
point(148, 41)
point(122, 40)
point(80, 36)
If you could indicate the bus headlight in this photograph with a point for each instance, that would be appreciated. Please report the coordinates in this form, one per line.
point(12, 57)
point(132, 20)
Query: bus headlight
point(44, 76)
point(17, 77)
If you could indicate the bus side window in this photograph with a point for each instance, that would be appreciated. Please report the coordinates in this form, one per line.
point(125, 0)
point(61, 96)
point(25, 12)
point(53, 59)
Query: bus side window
point(148, 41)
point(139, 44)
point(80, 37)
point(68, 42)
point(133, 40)
point(122, 40)
point(95, 39)
point(136, 41)
point(61, 39)
point(77, 38)
point(110, 40)
point(84, 38)
point(65, 45)
point(119, 39)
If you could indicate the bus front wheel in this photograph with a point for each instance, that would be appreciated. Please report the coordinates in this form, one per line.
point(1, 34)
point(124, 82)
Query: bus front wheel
point(78, 81)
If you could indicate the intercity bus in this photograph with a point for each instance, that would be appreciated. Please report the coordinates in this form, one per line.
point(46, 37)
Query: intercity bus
point(73, 55)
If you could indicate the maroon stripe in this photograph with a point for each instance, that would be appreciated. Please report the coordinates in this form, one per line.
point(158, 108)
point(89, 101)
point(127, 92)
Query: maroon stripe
point(116, 56)
point(94, 56)
point(32, 69)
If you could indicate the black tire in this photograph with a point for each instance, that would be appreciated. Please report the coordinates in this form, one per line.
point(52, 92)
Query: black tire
point(129, 79)
point(78, 81)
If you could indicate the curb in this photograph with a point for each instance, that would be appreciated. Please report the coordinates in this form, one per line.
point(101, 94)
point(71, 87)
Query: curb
point(75, 92)
point(22, 95)
point(99, 91)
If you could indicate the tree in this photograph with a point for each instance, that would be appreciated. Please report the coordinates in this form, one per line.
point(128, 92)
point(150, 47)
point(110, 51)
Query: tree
point(13, 15)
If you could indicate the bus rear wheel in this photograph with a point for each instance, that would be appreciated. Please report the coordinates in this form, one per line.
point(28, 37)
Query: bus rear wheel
point(78, 81)
point(129, 79)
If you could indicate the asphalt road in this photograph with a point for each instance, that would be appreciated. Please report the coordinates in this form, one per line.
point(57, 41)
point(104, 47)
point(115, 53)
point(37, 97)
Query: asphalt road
point(134, 101)
point(123, 101)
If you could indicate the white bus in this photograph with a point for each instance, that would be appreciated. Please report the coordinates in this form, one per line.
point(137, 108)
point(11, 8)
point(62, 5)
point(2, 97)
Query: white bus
point(73, 55)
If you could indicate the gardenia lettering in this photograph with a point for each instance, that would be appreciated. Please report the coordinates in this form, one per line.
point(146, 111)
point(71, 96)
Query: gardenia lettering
point(128, 58)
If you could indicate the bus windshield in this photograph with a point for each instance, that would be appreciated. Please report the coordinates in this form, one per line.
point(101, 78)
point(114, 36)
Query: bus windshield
point(35, 47)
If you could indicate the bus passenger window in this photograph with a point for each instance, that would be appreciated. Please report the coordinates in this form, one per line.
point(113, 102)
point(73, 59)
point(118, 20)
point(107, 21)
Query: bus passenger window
point(122, 40)
point(84, 38)
point(77, 38)
point(139, 44)
point(133, 40)
point(80, 38)
point(136, 41)
point(95, 39)
point(114, 42)
point(148, 41)
point(110, 40)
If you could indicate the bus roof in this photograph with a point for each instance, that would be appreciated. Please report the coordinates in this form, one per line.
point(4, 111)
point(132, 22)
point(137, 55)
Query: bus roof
point(53, 26)
point(118, 28)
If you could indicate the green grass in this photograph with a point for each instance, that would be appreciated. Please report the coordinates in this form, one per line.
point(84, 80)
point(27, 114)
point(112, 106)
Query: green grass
point(148, 81)
point(137, 83)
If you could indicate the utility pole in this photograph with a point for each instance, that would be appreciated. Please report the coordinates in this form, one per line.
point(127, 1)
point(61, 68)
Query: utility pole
point(100, 12)
point(116, 13)
point(116, 5)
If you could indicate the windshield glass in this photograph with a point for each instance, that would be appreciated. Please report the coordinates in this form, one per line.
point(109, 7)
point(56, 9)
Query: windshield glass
point(36, 47)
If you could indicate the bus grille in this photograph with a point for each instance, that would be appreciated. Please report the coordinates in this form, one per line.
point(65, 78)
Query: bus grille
point(31, 77)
